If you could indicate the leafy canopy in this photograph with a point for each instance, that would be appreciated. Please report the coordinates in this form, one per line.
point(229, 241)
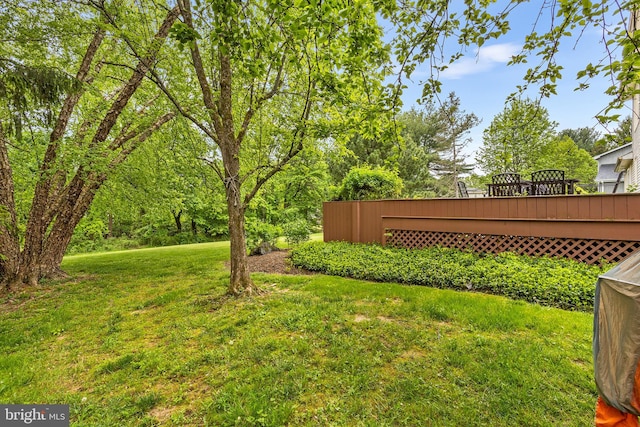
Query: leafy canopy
point(424, 28)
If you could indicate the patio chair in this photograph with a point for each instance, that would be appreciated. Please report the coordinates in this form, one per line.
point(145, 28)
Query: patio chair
point(462, 190)
point(506, 184)
point(548, 182)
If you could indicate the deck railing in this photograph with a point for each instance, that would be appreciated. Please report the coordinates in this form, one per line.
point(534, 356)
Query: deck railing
point(587, 228)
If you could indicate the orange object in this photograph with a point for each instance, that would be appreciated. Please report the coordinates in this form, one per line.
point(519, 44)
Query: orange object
point(608, 416)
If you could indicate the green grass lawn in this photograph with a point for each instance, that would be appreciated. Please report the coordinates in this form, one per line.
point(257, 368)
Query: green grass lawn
point(145, 338)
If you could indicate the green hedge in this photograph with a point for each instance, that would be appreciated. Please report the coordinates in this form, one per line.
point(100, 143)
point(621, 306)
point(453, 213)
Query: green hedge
point(548, 281)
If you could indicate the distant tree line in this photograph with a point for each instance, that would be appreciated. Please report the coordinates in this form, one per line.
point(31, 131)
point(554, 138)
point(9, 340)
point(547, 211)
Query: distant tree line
point(162, 197)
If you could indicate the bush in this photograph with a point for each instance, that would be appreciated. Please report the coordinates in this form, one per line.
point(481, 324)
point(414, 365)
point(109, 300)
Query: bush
point(103, 245)
point(259, 233)
point(365, 183)
point(88, 236)
point(296, 231)
point(547, 281)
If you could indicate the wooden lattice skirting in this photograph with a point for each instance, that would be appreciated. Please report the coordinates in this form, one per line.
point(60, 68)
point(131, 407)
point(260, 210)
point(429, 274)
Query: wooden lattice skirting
point(584, 250)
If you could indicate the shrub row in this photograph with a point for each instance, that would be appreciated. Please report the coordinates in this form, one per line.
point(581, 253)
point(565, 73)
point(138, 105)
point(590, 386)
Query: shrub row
point(547, 281)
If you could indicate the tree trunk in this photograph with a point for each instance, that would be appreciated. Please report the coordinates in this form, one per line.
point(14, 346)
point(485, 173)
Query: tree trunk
point(56, 209)
point(69, 215)
point(194, 227)
point(80, 195)
point(9, 242)
point(240, 283)
point(177, 217)
point(28, 261)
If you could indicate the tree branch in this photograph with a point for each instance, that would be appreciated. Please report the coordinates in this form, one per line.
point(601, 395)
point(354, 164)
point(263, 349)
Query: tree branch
point(83, 76)
point(158, 81)
point(214, 165)
point(140, 137)
point(207, 93)
point(294, 149)
point(144, 64)
point(258, 103)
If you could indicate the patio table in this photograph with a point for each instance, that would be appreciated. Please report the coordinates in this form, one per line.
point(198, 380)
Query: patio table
point(568, 187)
point(509, 190)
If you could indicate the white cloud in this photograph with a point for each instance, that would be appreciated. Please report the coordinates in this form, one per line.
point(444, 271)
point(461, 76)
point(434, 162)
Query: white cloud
point(484, 59)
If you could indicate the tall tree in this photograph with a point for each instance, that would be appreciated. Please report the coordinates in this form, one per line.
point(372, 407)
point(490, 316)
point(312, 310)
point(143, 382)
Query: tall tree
point(585, 138)
point(455, 124)
point(563, 153)
point(92, 132)
point(414, 169)
point(514, 140)
point(359, 150)
point(428, 156)
point(421, 151)
point(432, 158)
point(290, 57)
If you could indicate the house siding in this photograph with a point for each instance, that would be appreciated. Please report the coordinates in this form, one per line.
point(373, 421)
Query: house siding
point(632, 178)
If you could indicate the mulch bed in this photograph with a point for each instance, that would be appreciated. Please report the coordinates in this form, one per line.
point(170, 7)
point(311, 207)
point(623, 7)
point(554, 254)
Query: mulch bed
point(276, 262)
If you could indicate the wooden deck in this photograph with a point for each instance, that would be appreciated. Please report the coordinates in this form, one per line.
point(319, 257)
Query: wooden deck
point(587, 228)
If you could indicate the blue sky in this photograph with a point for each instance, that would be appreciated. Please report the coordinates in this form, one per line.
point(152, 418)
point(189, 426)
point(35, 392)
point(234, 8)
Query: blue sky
point(482, 80)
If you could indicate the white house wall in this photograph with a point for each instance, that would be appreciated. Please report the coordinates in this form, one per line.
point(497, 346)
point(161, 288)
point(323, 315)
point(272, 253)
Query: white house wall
point(632, 177)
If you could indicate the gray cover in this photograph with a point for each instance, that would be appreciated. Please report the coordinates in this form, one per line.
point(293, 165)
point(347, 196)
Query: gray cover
point(616, 333)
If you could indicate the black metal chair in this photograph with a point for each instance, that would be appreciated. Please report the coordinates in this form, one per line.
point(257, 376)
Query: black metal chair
point(506, 184)
point(548, 182)
point(462, 190)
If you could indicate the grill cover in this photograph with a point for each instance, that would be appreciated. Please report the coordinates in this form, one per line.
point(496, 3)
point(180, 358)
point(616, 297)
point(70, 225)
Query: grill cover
point(616, 334)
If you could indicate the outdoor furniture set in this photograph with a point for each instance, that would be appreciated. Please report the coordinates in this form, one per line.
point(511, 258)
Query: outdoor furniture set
point(543, 183)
